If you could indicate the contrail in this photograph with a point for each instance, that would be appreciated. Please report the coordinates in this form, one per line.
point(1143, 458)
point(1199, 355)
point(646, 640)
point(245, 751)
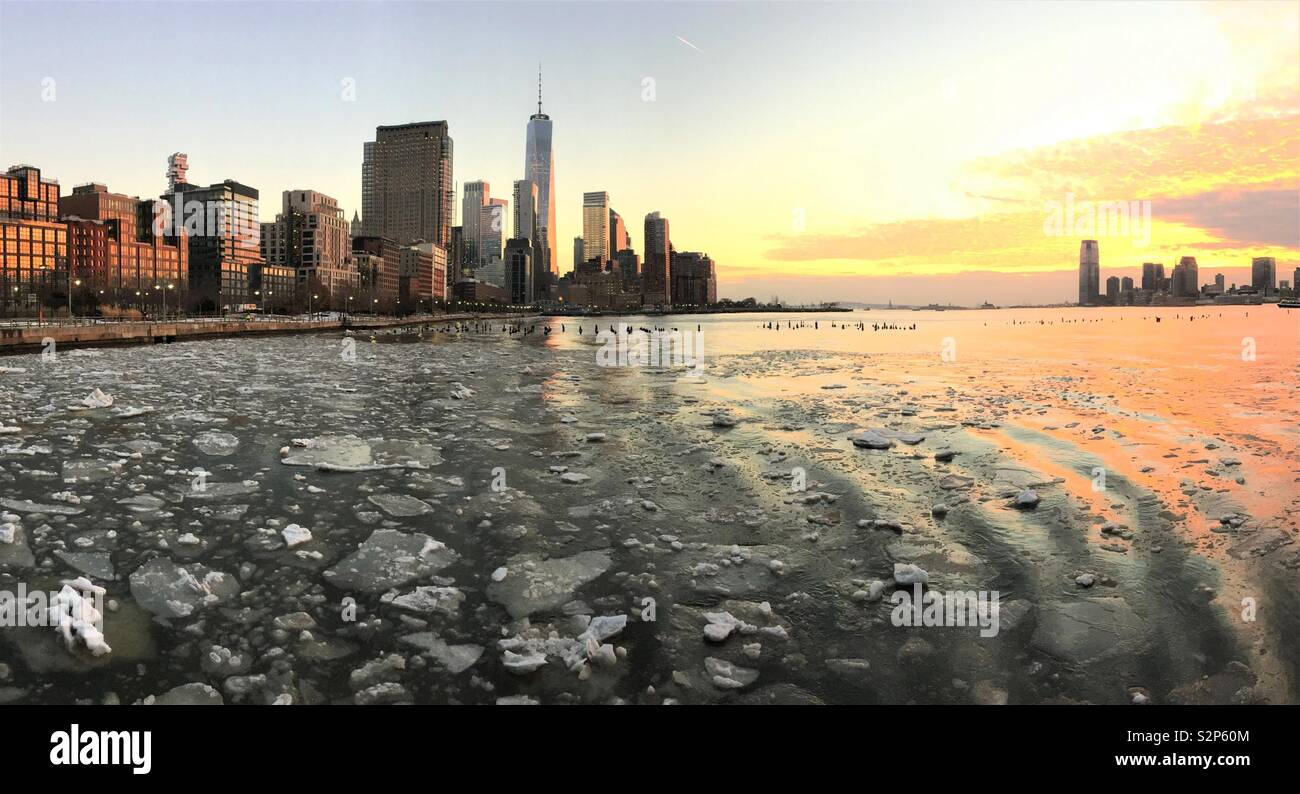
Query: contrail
point(688, 44)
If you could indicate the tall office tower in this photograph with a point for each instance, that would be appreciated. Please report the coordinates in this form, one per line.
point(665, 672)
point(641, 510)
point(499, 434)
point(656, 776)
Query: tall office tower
point(618, 239)
point(369, 196)
point(1089, 273)
point(539, 168)
point(309, 233)
point(526, 224)
point(1112, 290)
point(1295, 281)
point(579, 254)
point(178, 163)
point(355, 228)
point(519, 270)
point(1263, 274)
point(655, 285)
point(1220, 283)
point(1191, 280)
point(477, 195)
point(412, 193)
point(595, 225)
point(1153, 276)
point(492, 226)
point(220, 258)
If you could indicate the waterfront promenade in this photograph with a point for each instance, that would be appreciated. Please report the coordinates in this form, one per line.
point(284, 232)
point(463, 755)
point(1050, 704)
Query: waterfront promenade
point(18, 336)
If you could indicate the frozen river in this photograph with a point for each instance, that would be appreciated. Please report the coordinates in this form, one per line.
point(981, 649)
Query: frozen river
point(488, 516)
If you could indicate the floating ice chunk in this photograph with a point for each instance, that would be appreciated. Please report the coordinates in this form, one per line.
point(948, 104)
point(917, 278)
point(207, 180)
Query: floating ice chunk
point(295, 535)
point(460, 392)
point(73, 614)
point(389, 559)
point(574, 477)
point(870, 439)
point(24, 506)
point(8, 531)
point(726, 675)
point(500, 573)
point(603, 627)
point(216, 443)
point(1027, 498)
point(428, 600)
point(456, 658)
point(9, 430)
point(523, 664)
point(176, 591)
point(96, 399)
point(536, 585)
point(720, 625)
point(349, 453)
point(724, 419)
point(400, 505)
point(907, 574)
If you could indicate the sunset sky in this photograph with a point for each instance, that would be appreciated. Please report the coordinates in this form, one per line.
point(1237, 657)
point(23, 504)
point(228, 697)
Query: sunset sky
point(848, 151)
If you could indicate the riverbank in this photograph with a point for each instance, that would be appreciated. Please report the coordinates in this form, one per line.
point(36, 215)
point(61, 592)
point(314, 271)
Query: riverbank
point(15, 339)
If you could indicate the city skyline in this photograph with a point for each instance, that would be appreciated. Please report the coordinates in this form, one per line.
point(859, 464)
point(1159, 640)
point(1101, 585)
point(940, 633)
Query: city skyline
point(1210, 137)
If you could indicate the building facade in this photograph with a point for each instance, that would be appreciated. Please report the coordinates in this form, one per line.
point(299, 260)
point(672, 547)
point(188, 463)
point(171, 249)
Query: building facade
point(309, 233)
point(1089, 273)
point(539, 168)
point(477, 195)
point(656, 286)
point(519, 271)
point(1263, 274)
point(117, 256)
point(381, 273)
point(493, 228)
point(411, 194)
point(34, 266)
point(694, 279)
point(220, 223)
point(595, 225)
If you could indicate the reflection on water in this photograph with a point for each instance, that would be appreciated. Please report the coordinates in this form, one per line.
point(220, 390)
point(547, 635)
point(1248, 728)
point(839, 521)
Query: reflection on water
point(473, 515)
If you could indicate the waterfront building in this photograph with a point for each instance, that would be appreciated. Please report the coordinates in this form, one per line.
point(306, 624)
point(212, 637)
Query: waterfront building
point(1263, 274)
point(539, 168)
point(406, 183)
point(519, 270)
point(656, 286)
point(1089, 273)
point(595, 225)
point(116, 256)
point(221, 227)
point(694, 281)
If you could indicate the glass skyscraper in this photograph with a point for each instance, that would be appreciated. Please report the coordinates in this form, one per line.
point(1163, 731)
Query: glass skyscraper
point(539, 168)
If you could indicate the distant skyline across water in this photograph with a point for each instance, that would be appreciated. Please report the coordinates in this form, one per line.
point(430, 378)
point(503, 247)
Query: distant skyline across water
point(853, 151)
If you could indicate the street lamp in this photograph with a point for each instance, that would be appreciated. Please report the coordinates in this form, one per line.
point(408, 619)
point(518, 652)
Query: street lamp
point(78, 282)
